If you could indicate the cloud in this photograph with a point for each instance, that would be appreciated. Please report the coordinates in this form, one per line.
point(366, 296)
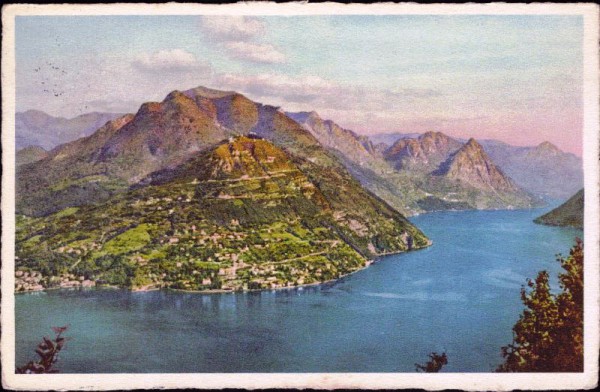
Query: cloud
point(239, 36)
point(172, 61)
point(311, 91)
point(231, 28)
point(259, 53)
point(292, 89)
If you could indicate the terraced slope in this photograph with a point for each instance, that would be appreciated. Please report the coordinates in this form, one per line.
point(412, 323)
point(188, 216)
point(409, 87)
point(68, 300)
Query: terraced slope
point(244, 214)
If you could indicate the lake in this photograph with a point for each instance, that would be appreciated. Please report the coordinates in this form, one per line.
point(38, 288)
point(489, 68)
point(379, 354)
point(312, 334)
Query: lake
point(461, 296)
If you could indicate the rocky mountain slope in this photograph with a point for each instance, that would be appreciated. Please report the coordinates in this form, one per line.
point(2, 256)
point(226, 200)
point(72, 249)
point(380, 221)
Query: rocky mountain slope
point(36, 128)
point(543, 170)
point(570, 213)
point(161, 134)
point(332, 136)
point(407, 174)
point(471, 165)
point(424, 153)
point(241, 214)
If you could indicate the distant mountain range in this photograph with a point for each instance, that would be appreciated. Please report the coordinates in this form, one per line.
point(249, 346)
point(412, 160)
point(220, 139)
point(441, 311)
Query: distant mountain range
point(543, 170)
point(570, 213)
point(392, 137)
point(407, 174)
point(36, 128)
point(418, 174)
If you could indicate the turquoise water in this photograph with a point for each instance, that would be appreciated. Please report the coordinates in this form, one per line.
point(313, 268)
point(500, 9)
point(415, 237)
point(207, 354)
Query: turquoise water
point(460, 296)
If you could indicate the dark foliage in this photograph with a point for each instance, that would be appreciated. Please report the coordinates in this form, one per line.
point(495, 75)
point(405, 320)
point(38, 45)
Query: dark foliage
point(549, 334)
point(434, 365)
point(48, 351)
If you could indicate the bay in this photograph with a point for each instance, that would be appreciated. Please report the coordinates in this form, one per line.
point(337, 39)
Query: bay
point(461, 296)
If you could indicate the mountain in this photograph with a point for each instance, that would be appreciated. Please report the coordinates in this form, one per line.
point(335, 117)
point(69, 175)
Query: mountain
point(570, 213)
point(424, 153)
point(161, 134)
point(165, 134)
point(364, 161)
point(390, 138)
point(70, 175)
point(36, 128)
point(30, 154)
point(471, 165)
point(403, 174)
point(332, 136)
point(543, 170)
point(453, 175)
point(240, 214)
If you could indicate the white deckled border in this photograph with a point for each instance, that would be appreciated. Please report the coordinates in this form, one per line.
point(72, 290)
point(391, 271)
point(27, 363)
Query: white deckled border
point(466, 381)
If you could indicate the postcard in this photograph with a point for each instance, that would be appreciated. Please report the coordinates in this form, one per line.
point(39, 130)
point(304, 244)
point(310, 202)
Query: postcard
point(262, 195)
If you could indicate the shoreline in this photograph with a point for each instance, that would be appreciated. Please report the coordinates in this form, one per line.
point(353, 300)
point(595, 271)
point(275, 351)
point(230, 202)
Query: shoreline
point(368, 263)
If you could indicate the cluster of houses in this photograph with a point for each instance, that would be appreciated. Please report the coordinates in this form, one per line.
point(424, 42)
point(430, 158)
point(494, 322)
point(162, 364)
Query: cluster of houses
point(35, 281)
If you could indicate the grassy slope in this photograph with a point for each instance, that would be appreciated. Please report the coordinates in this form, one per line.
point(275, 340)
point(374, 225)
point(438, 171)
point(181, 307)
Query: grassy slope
point(570, 213)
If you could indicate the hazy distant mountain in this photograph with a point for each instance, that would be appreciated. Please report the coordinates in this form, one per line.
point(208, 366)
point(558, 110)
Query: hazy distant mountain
point(391, 138)
point(30, 154)
point(36, 128)
point(543, 170)
point(454, 175)
point(570, 213)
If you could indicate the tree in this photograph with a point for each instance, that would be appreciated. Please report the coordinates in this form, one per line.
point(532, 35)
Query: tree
point(549, 334)
point(48, 352)
point(434, 365)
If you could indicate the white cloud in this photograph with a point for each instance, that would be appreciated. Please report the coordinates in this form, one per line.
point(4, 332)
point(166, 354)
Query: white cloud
point(318, 92)
point(231, 28)
point(174, 60)
point(259, 53)
point(239, 36)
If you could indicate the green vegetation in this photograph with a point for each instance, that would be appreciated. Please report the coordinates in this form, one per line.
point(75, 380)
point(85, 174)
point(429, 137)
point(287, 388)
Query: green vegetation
point(244, 215)
point(570, 213)
point(131, 240)
point(549, 334)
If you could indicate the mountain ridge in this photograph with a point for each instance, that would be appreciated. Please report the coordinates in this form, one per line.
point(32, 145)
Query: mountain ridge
point(37, 128)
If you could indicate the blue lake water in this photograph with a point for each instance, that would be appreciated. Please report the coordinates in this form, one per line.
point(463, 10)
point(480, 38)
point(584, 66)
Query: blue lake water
point(460, 296)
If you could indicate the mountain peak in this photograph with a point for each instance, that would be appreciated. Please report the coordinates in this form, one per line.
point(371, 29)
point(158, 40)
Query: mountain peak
point(423, 153)
point(473, 144)
point(472, 165)
point(547, 146)
point(304, 117)
point(206, 92)
point(434, 135)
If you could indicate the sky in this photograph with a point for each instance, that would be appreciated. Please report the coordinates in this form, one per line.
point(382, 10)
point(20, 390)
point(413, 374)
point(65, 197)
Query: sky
point(513, 78)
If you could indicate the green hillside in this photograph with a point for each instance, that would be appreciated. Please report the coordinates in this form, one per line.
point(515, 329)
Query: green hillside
point(242, 215)
point(570, 213)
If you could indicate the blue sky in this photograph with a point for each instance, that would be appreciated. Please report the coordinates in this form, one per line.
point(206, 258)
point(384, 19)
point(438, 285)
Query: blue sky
point(514, 78)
